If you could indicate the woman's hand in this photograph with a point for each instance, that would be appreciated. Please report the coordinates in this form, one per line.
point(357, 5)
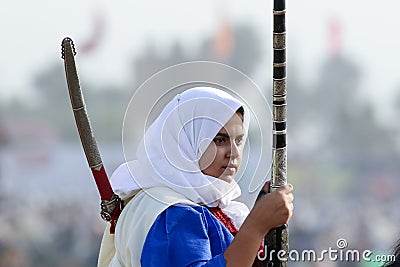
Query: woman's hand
point(272, 209)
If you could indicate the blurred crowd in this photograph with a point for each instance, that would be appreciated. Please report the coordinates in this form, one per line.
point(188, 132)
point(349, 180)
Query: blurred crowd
point(64, 229)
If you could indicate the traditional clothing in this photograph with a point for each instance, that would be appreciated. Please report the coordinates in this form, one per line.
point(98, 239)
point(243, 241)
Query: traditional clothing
point(186, 236)
point(167, 222)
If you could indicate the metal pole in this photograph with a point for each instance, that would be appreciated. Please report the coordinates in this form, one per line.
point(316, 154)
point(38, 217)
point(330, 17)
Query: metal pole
point(277, 240)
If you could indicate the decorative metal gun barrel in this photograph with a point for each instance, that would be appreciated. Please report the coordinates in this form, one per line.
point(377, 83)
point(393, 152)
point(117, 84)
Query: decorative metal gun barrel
point(111, 204)
point(277, 239)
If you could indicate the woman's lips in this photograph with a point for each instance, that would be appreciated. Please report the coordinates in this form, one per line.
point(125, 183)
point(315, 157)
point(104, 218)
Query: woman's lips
point(230, 168)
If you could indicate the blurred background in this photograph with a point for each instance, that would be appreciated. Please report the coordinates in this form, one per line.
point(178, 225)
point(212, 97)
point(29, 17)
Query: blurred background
point(343, 109)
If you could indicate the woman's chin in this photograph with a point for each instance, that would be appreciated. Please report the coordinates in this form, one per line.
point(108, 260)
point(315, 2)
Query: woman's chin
point(227, 177)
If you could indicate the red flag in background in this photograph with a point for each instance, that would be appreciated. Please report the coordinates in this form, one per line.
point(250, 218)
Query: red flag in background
point(224, 44)
point(335, 37)
point(95, 36)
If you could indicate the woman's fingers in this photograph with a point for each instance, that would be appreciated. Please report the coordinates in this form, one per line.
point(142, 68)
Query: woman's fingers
point(287, 188)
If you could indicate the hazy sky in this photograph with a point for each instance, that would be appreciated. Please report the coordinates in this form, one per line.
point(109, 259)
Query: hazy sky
point(31, 33)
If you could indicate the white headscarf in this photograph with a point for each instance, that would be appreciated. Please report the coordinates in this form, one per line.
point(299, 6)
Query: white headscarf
point(168, 154)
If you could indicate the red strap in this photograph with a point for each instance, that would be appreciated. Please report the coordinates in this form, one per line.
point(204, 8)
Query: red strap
point(114, 218)
point(224, 219)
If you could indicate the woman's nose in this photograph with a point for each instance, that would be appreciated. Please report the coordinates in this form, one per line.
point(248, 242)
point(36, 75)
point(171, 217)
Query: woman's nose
point(233, 150)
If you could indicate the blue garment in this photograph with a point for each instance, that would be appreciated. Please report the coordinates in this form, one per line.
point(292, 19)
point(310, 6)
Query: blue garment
point(186, 236)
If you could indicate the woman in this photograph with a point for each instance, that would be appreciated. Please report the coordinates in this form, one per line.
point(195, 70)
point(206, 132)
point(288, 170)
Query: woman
point(181, 189)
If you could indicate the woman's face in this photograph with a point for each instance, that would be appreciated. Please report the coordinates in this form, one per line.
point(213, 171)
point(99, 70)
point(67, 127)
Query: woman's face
point(223, 156)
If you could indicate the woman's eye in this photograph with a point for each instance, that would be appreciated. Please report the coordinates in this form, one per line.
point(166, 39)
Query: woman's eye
point(219, 140)
point(239, 140)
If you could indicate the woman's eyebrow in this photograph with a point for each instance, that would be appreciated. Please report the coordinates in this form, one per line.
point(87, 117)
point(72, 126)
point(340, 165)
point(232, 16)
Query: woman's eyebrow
point(227, 135)
point(222, 135)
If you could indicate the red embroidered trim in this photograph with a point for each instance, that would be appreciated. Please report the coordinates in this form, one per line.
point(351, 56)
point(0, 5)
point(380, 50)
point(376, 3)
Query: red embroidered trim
point(224, 219)
point(227, 222)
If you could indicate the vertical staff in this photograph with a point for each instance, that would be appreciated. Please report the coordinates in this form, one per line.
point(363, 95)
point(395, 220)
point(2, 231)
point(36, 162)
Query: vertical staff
point(277, 239)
